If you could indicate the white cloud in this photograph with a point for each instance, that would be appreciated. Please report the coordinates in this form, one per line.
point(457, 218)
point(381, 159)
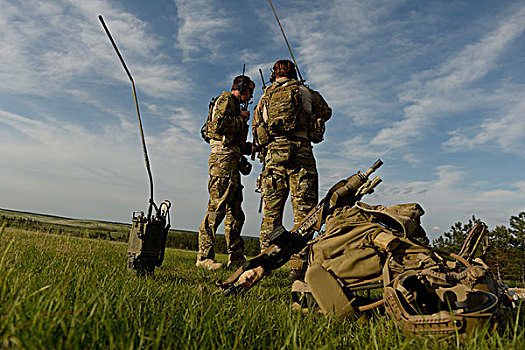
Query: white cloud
point(203, 28)
point(437, 93)
point(449, 198)
point(506, 130)
point(331, 42)
point(47, 47)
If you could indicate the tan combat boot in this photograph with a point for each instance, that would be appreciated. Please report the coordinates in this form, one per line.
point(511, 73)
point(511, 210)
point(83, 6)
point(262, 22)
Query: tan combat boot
point(209, 264)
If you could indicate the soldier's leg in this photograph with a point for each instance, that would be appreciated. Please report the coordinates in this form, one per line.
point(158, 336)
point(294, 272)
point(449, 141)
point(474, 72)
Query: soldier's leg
point(233, 224)
point(304, 197)
point(217, 187)
point(275, 191)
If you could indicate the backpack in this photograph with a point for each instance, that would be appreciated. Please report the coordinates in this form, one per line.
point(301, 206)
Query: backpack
point(208, 130)
point(284, 107)
point(425, 290)
point(321, 113)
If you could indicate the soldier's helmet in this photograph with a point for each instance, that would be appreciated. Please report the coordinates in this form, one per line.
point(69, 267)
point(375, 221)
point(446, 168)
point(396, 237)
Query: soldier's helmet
point(284, 68)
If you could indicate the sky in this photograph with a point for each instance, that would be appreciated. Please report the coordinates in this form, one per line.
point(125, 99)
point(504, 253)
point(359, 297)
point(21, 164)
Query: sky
point(436, 89)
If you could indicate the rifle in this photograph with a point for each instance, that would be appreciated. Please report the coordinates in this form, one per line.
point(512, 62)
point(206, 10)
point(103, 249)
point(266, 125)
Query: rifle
point(285, 243)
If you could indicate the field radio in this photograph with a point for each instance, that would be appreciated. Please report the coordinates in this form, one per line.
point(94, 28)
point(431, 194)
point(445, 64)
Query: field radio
point(148, 234)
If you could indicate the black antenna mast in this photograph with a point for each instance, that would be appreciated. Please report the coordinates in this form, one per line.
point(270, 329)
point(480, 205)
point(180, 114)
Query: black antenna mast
point(146, 159)
point(286, 40)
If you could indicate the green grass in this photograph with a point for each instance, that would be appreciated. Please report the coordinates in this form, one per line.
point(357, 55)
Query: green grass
point(65, 292)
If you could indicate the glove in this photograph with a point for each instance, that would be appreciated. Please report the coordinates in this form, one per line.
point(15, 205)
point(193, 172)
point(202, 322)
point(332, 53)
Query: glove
point(247, 149)
point(245, 167)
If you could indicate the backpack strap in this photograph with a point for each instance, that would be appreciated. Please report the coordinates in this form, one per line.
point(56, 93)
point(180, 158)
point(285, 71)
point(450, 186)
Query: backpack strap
point(328, 292)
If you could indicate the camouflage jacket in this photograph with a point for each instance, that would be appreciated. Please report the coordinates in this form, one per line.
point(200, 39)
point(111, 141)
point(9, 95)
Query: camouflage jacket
point(228, 128)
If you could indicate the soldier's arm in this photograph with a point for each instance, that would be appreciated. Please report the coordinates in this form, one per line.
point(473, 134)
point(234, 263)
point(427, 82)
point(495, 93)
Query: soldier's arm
point(229, 121)
point(306, 98)
point(256, 118)
point(320, 107)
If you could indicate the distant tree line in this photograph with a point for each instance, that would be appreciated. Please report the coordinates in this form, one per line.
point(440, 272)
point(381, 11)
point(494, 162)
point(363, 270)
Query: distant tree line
point(506, 251)
point(176, 238)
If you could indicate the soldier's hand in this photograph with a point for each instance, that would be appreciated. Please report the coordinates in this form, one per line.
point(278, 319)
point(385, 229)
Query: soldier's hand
point(248, 147)
point(246, 114)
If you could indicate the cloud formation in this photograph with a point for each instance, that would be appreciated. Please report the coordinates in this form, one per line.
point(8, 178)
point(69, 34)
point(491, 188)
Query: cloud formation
point(204, 26)
point(65, 44)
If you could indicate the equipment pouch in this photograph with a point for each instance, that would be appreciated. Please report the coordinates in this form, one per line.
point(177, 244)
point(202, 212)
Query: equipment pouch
point(321, 112)
point(280, 155)
point(386, 241)
point(209, 129)
point(263, 137)
point(316, 129)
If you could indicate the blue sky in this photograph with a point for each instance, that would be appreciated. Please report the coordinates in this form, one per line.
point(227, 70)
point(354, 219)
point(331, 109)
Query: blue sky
point(436, 89)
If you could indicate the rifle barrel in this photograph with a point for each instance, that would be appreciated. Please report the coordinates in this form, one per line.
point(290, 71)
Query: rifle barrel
point(374, 167)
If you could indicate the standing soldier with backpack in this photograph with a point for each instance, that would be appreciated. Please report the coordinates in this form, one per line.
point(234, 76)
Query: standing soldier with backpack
point(287, 119)
point(226, 130)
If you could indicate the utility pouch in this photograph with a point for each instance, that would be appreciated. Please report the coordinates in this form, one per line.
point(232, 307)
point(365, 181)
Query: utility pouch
point(328, 292)
point(263, 137)
point(280, 155)
point(321, 113)
point(386, 241)
point(316, 129)
point(209, 129)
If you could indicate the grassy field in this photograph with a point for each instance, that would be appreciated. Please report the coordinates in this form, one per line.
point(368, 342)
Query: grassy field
point(64, 292)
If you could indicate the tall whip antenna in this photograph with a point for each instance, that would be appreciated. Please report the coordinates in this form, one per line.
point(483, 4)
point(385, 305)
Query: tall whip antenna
point(286, 40)
point(146, 159)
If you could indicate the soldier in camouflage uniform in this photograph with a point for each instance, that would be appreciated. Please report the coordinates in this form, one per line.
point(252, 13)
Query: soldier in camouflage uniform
point(282, 125)
point(226, 130)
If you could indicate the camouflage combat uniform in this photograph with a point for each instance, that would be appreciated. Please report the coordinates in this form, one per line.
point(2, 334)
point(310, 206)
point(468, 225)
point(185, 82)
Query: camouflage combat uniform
point(227, 132)
point(289, 166)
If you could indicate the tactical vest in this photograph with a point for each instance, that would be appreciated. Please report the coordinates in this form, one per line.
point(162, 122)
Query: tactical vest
point(284, 108)
point(280, 113)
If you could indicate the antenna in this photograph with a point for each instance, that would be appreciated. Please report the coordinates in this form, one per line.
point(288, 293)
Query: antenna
point(146, 159)
point(286, 40)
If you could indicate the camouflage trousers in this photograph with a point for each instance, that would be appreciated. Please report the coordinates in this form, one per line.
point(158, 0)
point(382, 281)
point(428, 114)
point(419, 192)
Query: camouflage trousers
point(289, 168)
point(225, 189)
